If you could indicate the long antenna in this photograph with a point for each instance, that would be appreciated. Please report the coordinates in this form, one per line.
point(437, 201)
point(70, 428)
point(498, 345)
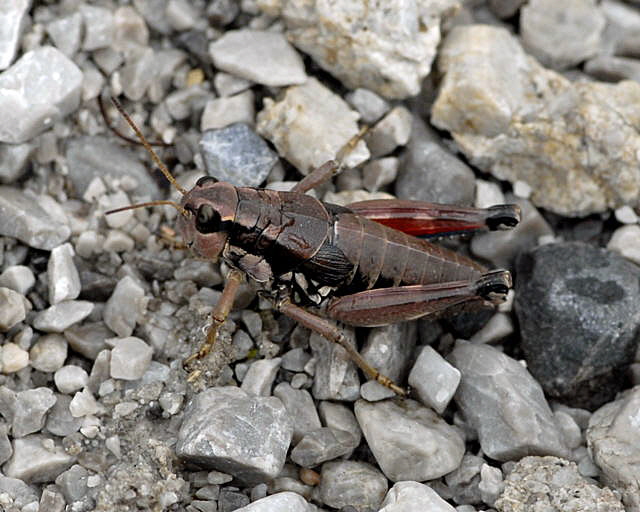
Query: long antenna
point(148, 147)
point(151, 203)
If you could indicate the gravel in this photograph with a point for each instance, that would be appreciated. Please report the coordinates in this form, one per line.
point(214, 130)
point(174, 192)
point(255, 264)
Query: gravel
point(468, 103)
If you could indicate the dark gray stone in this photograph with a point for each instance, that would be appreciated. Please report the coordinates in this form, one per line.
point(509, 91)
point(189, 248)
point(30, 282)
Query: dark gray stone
point(579, 320)
point(237, 154)
point(322, 445)
point(348, 483)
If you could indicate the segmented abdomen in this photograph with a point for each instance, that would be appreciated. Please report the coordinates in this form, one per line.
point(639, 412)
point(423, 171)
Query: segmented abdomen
point(383, 256)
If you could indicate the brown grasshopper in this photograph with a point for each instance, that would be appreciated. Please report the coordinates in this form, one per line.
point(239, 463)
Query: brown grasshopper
point(362, 265)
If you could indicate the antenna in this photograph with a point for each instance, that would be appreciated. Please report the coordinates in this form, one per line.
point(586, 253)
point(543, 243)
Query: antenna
point(151, 203)
point(148, 147)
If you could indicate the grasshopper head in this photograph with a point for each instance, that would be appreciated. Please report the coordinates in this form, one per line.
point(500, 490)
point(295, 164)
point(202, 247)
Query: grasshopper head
point(212, 207)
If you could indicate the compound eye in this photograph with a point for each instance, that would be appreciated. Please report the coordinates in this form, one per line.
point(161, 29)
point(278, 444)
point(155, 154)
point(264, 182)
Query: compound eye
point(204, 180)
point(207, 219)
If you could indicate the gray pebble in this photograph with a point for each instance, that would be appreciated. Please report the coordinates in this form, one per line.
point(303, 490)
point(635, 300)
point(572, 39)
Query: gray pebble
point(49, 353)
point(45, 87)
point(124, 307)
point(393, 130)
point(260, 376)
point(504, 404)
point(65, 32)
point(336, 376)
point(13, 161)
point(289, 501)
point(13, 19)
point(295, 360)
point(12, 309)
point(18, 278)
point(433, 379)
point(73, 483)
point(52, 500)
point(36, 459)
point(30, 409)
point(414, 497)
point(613, 69)
point(350, 483)
point(5, 444)
point(260, 56)
point(19, 492)
point(88, 339)
point(421, 446)
point(22, 217)
point(237, 155)
point(340, 417)
point(60, 421)
point(221, 112)
point(70, 378)
point(130, 358)
point(63, 315)
point(98, 27)
point(300, 406)
point(378, 173)
point(228, 430)
point(321, 445)
point(371, 106)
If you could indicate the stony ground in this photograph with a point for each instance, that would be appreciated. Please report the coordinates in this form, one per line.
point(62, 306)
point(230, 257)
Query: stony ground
point(529, 407)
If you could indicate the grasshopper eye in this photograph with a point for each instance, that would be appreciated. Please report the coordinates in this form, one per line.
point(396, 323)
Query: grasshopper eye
point(205, 179)
point(207, 219)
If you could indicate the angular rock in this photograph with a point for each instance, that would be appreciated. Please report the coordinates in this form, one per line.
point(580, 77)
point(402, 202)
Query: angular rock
point(310, 125)
point(429, 172)
point(463, 481)
point(433, 379)
point(130, 358)
point(13, 358)
point(88, 339)
point(261, 56)
point(413, 497)
point(18, 278)
point(125, 307)
point(504, 404)
point(388, 50)
point(391, 131)
point(289, 501)
point(49, 353)
point(419, 446)
point(60, 421)
point(548, 483)
point(576, 144)
point(63, 315)
point(321, 445)
point(19, 492)
point(65, 32)
point(12, 309)
point(613, 441)
point(227, 430)
point(349, 483)
point(38, 90)
point(37, 459)
point(260, 376)
point(13, 19)
point(300, 406)
point(98, 27)
point(89, 157)
point(73, 483)
point(30, 410)
point(22, 217)
point(237, 154)
point(13, 161)
point(561, 36)
point(336, 376)
point(578, 314)
point(222, 112)
point(626, 241)
point(340, 417)
point(371, 106)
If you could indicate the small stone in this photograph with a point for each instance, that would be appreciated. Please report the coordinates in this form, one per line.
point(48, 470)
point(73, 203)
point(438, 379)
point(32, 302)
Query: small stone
point(429, 172)
point(227, 430)
point(421, 446)
point(260, 56)
point(63, 315)
point(310, 125)
point(118, 241)
point(570, 429)
point(433, 379)
point(14, 159)
point(70, 378)
point(88, 339)
point(113, 445)
point(414, 496)
point(13, 19)
point(65, 32)
point(181, 15)
point(371, 106)
point(60, 421)
point(379, 173)
point(33, 461)
point(89, 157)
point(289, 501)
point(238, 155)
point(30, 410)
point(222, 112)
point(349, 483)
point(49, 353)
point(488, 194)
point(18, 278)
point(626, 242)
point(87, 244)
point(562, 37)
point(321, 445)
point(98, 27)
point(391, 131)
point(295, 360)
point(83, 403)
point(300, 406)
point(14, 358)
point(17, 493)
point(42, 87)
point(182, 103)
point(229, 85)
point(12, 309)
point(73, 483)
point(125, 306)
point(260, 376)
point(339, 417)
point(613, 69)
point(52, 501)
point(504, 404)
point(23, 218)
point(499, 326)
point(139, 74)
point(130, 358)
point(562, 483)
point(5, 444)
point(336, 376)
point(625, 214)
